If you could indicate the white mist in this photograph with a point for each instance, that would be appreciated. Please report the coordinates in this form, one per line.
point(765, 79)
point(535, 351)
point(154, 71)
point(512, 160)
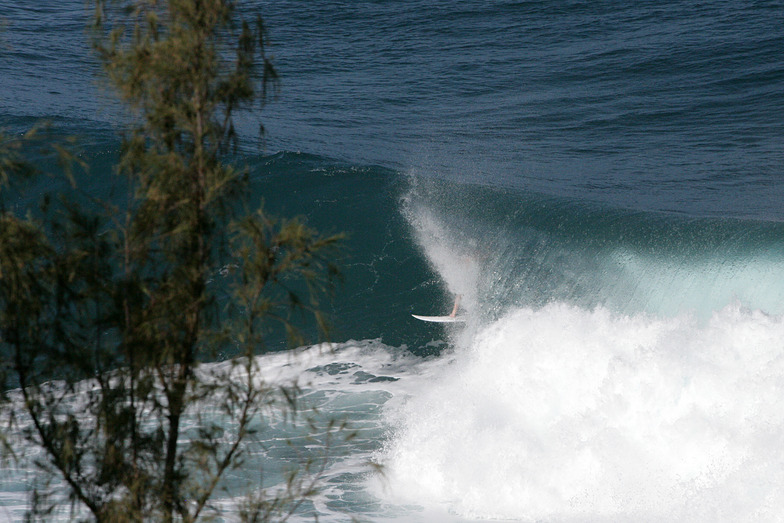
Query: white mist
point(566, 414)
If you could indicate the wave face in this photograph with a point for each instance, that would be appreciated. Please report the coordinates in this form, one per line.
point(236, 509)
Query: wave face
point(616, 365)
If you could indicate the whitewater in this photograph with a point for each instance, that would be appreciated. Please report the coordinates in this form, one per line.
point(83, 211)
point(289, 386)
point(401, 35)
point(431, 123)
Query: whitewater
point(556, 414)
point(561, 412)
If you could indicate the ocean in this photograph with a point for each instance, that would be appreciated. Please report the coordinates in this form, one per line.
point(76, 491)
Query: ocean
point(601, 182)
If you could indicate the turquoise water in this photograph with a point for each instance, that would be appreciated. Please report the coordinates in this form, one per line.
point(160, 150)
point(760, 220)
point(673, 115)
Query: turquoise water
point(601, 181)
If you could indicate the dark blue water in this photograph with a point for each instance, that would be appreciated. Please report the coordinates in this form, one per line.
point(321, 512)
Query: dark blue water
point(664, 106)
point(607, 157)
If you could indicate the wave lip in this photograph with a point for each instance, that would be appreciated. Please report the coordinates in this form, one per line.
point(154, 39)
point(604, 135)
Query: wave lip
point(531, 249)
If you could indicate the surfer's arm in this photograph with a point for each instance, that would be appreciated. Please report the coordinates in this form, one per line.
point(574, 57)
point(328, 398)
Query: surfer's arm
point(457, 306)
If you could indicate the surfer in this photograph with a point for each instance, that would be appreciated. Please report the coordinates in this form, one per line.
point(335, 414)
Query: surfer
point(461, 275)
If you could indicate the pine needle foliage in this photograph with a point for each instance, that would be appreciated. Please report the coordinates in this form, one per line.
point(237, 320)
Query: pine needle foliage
point(105, 317)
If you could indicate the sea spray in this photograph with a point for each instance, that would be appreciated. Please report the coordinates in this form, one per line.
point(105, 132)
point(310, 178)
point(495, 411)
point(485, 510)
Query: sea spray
point(529, 250)
point(563, 413)
point(456, 261)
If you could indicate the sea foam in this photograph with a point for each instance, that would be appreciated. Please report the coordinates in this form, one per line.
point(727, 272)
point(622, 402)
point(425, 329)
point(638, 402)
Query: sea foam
point(564, 414)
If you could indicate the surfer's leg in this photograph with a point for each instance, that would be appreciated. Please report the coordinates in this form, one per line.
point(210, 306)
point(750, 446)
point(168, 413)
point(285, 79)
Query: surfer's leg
point(457, 306)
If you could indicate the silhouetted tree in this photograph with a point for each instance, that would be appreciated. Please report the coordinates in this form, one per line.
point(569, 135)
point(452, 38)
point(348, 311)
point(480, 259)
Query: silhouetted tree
point(105, 316)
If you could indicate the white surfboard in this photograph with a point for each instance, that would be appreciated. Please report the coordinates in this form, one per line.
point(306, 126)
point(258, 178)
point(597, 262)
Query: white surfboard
point(440, 319)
